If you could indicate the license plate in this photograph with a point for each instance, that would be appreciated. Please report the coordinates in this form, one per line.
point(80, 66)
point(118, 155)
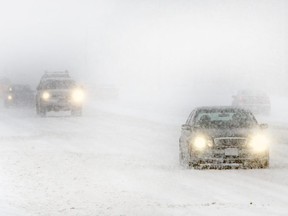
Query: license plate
point(62, 101)
point(231, 152)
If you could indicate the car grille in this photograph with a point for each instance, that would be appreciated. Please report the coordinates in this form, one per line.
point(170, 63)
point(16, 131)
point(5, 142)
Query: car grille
point(230, 142)
point(62, 96)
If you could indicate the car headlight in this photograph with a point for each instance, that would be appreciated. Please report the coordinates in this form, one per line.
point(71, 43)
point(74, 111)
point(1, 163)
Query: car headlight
point(78, 95)
point(46, 96)
point(259, 143)
point(200, 143)
point(9, 97)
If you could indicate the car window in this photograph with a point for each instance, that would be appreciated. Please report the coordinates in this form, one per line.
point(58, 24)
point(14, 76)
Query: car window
point(224, 119)
point(58, 84)
point(190, 118)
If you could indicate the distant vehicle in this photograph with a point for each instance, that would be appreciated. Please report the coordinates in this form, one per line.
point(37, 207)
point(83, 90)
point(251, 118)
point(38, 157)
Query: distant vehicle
point(256, 101)
point(4, 85)
point(19, 95)
point(57, 91)
point(223, 137)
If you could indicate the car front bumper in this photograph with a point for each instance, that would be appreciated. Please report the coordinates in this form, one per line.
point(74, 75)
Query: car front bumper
point(64, 105)
point(219, 159)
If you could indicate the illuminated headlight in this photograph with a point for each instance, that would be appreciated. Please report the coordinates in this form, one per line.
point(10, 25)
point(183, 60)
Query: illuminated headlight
point(9, 97)
point(46, 96)
point(200, 143)
point(259, 143)
point(78, 96)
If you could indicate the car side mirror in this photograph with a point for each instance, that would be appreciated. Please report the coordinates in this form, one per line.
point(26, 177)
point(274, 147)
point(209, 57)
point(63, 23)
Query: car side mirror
point(186, 127)
point(263, 126)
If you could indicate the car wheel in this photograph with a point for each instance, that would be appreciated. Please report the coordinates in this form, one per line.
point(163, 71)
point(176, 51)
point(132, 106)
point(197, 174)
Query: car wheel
point(37, 110)
point(76, 111)
point(258, 164)
point(6, 104)
point(42, 111)
point(181, 159)
point(265, 161)
point(197, 166)
point(264, 164)
point(184, 159)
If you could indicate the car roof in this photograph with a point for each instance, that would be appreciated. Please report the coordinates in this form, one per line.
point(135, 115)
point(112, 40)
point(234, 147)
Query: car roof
point(221, 108)
point(251, 92)
point(58, 75)
point(56, 79)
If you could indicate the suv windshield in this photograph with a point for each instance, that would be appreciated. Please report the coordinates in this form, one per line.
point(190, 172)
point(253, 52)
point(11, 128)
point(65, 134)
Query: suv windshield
point(224, 119)
point(58, 84)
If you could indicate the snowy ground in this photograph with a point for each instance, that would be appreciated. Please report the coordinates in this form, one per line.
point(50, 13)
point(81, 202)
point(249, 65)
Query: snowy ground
point(108, 163)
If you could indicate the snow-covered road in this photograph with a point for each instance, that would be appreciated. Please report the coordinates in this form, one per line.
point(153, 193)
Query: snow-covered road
point(110, 164)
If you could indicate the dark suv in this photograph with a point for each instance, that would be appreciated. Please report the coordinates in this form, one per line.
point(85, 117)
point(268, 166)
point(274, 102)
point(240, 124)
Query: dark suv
point(19, 95)
point(57, 91)
point(256, 101)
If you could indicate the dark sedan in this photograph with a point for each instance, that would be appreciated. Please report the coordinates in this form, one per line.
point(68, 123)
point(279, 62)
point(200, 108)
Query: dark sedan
point(223, 137)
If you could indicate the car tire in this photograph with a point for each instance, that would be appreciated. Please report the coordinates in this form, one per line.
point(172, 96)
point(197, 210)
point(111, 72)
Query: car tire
point(7, 106)
point(258, 164)
point(264, 164)
point(266, 161)
point(76, 111)
point(42, 111)
point(37, 110)
point(183, 159)
point(197, 166)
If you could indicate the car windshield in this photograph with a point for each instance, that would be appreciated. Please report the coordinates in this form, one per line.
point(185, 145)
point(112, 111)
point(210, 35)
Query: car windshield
point(58, 84)
point(227, 118)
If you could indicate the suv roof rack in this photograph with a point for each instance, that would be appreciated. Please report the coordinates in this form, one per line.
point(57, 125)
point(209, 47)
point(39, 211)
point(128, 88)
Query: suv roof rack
point(56, 74)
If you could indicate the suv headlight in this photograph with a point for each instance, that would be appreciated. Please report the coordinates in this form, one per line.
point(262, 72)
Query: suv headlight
point(78, 95)
point(259, 143)
point(46, 96)
point(9, 97)
point(200, 143)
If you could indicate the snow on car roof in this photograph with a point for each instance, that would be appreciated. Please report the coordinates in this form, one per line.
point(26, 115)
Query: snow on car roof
point(56, 75)
point(221, 108)
point(249, 92)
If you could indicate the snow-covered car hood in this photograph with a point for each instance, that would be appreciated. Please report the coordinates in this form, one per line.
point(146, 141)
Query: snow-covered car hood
point(234, 132)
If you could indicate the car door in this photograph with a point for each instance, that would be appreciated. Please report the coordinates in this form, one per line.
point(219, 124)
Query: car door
point(186, 131)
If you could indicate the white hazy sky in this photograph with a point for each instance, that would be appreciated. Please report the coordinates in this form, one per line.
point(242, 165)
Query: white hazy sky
point(148, 47)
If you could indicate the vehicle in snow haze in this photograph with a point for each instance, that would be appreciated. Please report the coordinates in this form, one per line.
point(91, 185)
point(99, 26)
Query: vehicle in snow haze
point(4, 84)
point(57, 91)
point(223, 137)
point(19, 95)
point(256, 101)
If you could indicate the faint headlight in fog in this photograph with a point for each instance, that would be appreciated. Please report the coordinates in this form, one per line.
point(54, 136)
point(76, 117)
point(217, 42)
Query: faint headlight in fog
point(201, 142)
point(259, 143)
point(78, 95)
point(46, 96)
point(10, 97)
